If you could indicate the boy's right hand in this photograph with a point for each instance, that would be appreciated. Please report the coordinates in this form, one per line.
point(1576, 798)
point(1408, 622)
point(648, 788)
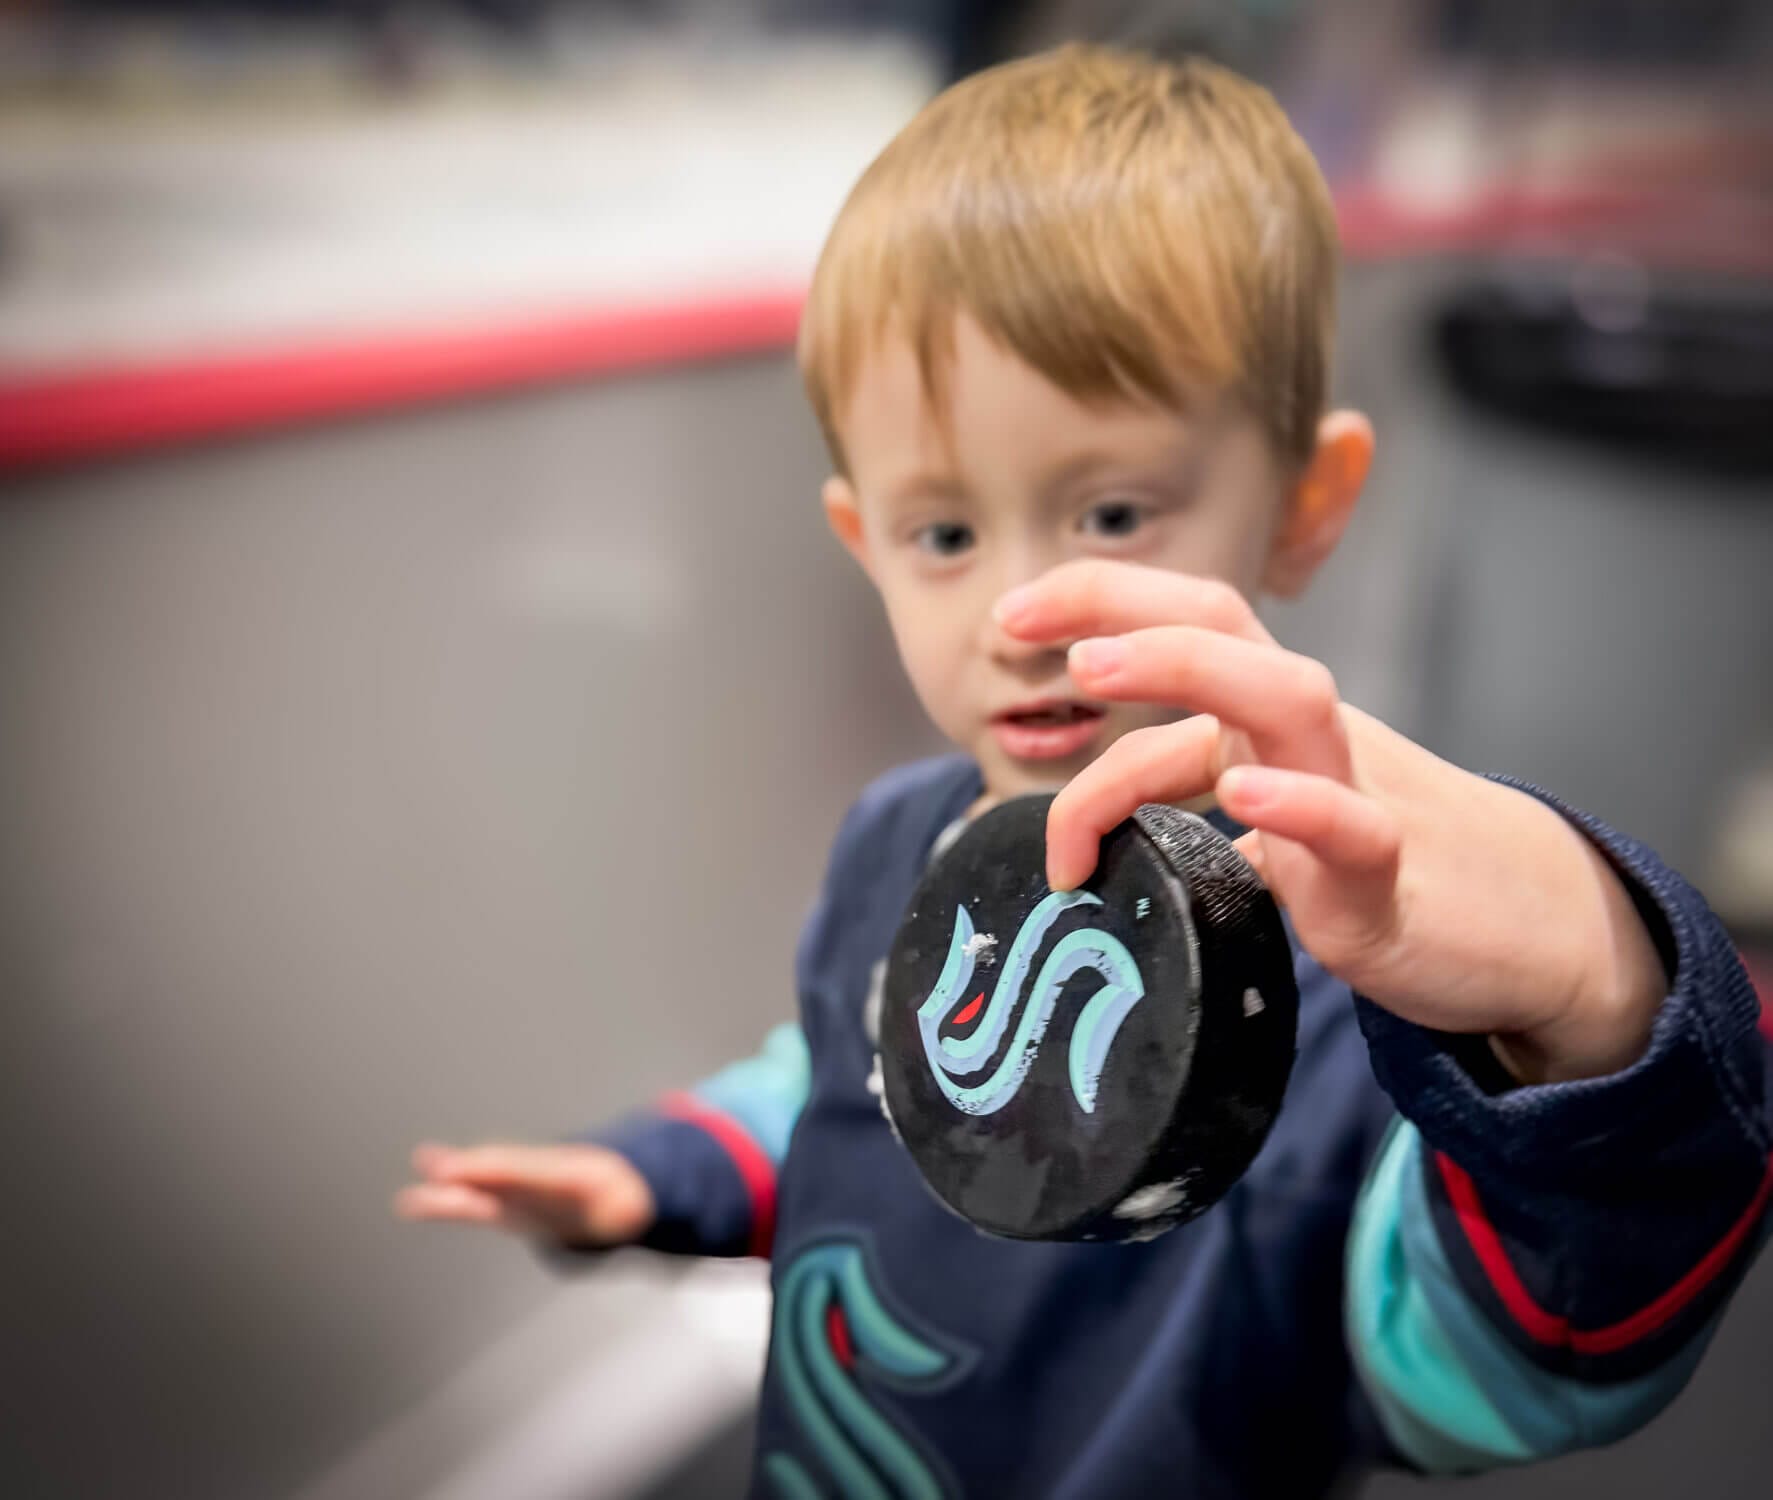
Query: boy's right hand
point(572, 1195)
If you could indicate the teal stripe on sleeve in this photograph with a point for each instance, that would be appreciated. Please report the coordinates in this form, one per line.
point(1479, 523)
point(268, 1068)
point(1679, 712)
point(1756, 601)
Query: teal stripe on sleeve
point(1553, 1413)
point(1430, 1407)
point(765, 1092)
point(1453, 1392)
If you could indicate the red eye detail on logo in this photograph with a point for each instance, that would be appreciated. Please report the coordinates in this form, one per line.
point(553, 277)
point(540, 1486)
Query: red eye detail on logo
point(838, 1332)
point(967, 1012)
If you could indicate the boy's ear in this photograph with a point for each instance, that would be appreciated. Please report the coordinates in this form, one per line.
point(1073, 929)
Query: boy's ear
point(1320, 503)
point(844, 517)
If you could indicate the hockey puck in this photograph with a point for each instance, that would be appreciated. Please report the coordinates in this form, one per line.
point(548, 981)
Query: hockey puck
point(1097, 1064)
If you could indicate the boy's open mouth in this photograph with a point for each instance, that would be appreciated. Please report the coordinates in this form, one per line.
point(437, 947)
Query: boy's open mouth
point(1047, 729)
point(1048, 714)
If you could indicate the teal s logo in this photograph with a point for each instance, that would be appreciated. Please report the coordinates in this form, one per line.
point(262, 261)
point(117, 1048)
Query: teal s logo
point(832, 1334)
point(953, 1057)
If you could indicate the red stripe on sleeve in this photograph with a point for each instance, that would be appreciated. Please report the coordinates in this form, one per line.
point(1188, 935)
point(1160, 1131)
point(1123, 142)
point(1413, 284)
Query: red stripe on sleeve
point(1760, 979)
point(756, 1170)
point(1550, 1329)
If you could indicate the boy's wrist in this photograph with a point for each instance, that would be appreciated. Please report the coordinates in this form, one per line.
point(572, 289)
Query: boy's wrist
point(1617, 987)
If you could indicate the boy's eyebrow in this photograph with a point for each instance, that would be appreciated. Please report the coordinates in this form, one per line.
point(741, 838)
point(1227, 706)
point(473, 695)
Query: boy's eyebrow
point(1179, 457)
point(1079, 466)
point(925, 484)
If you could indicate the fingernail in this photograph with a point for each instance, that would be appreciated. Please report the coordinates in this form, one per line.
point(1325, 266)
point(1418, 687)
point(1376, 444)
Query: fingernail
point(1249, 786)
point(1014, 606)
point(1065, 876)
point(1099, 657)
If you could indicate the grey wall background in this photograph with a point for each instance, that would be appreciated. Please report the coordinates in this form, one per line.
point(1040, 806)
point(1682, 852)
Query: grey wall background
point(466, 772)
point(461, 774)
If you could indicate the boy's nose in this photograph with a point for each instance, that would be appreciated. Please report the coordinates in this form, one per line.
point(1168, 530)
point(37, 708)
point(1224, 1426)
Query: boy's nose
point(1034, 658)
point(1026, 657)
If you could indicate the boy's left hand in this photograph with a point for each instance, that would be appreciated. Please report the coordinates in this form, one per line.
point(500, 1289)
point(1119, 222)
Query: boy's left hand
point(1454, 902)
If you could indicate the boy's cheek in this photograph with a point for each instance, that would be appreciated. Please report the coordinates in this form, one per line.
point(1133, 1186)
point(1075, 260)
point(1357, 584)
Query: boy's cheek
point(932, 673)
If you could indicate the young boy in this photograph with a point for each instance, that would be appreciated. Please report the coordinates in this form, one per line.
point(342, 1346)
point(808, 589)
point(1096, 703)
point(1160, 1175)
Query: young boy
point(1068, 344)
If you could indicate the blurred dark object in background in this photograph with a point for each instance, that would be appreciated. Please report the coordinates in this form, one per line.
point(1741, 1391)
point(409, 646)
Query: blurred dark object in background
point(1661, 33)
point(1605, 350)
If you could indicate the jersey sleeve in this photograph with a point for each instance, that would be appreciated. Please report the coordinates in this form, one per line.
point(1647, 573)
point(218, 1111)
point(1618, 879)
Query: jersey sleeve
point(711, 1153)
point(1537, 1269)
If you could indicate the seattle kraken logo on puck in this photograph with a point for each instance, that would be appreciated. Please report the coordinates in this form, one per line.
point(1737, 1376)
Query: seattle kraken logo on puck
point(961, 1053)
point(1085, 1064)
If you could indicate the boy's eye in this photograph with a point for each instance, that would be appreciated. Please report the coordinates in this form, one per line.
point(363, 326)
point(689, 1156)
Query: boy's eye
point(945, 538)
point(1113, 518)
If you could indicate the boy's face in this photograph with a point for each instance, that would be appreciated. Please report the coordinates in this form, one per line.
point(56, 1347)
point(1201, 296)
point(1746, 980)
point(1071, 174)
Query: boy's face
point(947, 517)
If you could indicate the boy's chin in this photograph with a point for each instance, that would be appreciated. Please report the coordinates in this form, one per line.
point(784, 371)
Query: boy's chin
point(1007, 777)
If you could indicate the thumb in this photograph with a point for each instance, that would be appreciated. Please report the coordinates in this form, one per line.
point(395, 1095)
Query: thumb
point(1256, 856)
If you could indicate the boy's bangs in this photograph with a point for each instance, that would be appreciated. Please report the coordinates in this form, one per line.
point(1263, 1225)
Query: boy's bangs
point(1119, 304)
point(1129, 230)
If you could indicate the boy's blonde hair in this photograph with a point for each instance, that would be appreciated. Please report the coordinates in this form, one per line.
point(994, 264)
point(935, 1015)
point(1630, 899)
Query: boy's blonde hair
point(1129, 227)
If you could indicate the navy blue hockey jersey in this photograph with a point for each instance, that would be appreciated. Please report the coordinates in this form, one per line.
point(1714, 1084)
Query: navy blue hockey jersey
point(1423, 1265)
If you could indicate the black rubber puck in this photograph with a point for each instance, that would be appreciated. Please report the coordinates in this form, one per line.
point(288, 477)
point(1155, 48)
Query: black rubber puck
point(1100, 1064)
